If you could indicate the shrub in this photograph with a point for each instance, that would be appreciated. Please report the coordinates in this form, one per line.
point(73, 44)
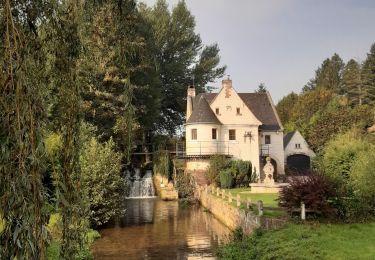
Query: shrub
point(217, 163)
point(184, 184)
point(226, 178)
point(102, 183)
point(315, 190)
point(162, 163)
point(241, 172)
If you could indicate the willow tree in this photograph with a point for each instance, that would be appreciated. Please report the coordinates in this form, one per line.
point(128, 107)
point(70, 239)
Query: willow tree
point(22, 116)
point(65, 50)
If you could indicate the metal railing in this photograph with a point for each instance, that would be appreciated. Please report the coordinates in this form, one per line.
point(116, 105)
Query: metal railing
point(211, 147)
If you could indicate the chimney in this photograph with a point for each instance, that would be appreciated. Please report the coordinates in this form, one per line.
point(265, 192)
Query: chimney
point(227, 83)
point(189, 101)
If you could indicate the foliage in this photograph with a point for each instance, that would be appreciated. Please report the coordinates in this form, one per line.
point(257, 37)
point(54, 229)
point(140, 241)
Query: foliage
point(261, 89)
point(22, 118)
point(315, 190)
point(184, 184)
point(55, 229)
point(308, 241)
point(368, 76)
point(226, 178)
point(102, 183)
point(351, 82)
point(180, 60)
point(285, 107)
point(241, 172)
point(217, 163)
point(162, 163)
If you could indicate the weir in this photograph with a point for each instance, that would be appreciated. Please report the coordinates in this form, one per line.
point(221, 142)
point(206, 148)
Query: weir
point(141, 187)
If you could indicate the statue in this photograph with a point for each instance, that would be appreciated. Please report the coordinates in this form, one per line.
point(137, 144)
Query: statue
point(268, 172)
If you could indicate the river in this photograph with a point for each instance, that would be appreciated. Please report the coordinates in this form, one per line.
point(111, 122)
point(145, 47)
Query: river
point(156, 229)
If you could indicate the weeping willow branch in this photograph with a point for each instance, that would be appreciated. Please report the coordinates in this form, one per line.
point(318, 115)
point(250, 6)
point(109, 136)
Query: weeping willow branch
point(22, 153)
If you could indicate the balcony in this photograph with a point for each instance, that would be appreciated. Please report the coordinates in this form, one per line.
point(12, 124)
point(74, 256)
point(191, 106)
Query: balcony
point(205, 149)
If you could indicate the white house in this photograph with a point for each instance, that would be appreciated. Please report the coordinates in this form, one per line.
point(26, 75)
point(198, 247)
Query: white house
point(297, 152)
point(240, 125)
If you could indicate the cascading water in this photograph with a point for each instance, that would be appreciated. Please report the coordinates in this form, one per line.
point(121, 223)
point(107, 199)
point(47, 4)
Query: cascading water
point(142, 187)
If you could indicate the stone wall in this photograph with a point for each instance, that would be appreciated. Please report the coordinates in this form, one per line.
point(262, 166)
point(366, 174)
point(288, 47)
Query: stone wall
point(234, 217)
point(163, 189)
point(230, 216)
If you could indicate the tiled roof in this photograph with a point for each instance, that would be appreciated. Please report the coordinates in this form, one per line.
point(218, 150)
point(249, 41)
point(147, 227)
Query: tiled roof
point(258, 103)
point(202, 112)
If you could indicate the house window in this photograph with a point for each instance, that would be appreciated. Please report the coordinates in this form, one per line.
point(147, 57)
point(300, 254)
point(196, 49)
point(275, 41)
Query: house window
point(298, 146)
point(217, 111)
point(232, 134)
point(214, 133)
point(238, 111)
point(267, 139)
point(193, 134)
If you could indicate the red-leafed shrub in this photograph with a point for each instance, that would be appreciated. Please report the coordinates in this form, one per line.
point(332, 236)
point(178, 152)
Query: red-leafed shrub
point(314, 189)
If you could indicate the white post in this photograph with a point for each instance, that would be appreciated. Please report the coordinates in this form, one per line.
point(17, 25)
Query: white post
point(217, 191)
point(303, 211)
point(260, 207)
point(230, 197)
point(223, 194)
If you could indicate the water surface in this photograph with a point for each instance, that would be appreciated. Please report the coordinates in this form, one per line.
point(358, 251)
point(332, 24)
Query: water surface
point(155, 229)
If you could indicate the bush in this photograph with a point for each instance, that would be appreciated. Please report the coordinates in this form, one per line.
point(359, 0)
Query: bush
point(162, 163)
point(102, 183)
point(315, 190)
point(184, 184)
point(217, 163)
point(226, 178)
point(241, 172)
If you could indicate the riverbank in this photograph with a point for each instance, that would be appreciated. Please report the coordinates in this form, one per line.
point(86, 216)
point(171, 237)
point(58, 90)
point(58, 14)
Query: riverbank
point(306, 241)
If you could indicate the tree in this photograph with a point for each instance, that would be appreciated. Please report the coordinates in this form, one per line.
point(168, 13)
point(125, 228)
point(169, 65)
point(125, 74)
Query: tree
point(103, 185)
point(285, 106)
point(351, 82)
point(261, 89)
point(22, 118)
point(179, 57)
point(368, 76)
point(329, 75)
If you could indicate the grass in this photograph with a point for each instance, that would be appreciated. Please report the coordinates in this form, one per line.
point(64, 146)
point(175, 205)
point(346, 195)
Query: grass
point(269, 199)
point(306, 241)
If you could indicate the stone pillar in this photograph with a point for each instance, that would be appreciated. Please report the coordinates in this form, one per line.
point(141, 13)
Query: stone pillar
point(230, 197)
point(217, 191)
point(223, 194)
point(303, 211)
point(260, 207)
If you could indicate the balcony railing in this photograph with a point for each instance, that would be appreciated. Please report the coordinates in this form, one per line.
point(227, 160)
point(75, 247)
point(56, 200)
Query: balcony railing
point(211, 147)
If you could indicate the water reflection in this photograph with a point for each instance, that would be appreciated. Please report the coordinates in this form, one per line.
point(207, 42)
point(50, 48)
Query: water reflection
point(155, 229)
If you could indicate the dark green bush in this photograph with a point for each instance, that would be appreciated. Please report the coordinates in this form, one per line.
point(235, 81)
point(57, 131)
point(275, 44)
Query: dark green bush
point(241, 172)
point(162, 163)
point(217, 163)
point(226, 178)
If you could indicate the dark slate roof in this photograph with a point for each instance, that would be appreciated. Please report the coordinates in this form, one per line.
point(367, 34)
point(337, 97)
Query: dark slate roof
point(288, 137)
point(258, 103)
point(202, 112)
point(262, 108)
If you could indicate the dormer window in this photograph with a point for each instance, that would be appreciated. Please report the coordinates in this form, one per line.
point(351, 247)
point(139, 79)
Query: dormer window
point(217, 111)
point(238, 111)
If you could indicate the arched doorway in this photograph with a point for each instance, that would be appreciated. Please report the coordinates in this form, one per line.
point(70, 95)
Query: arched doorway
point(298, 163)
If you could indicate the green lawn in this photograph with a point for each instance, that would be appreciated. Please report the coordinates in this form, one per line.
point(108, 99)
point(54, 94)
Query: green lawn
point(269, 199)
point(306, 241)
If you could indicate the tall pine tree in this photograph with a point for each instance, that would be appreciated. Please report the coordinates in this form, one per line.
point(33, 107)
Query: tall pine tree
point(368, 76)
point(351, 82)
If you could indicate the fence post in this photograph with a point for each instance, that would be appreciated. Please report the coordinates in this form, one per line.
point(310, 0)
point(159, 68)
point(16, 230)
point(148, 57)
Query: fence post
point(260, 207)
point(230, 197)
point(217, 191)
point(238, 200)
point(248, 203)
point(303, 211)
point(223, 194)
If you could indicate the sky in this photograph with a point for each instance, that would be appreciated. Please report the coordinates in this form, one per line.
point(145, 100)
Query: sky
point(282, 42)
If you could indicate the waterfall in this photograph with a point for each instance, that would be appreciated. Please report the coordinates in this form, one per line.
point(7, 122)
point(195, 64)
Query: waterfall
point(142, 187)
